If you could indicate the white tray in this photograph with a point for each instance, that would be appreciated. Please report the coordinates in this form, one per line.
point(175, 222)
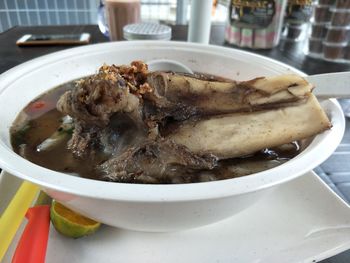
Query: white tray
point(301, 221)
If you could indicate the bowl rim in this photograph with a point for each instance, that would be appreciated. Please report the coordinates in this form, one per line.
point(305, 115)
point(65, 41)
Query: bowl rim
point(324, 143)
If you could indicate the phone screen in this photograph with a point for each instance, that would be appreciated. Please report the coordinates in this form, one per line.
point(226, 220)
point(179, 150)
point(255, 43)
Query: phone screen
point(54, 37)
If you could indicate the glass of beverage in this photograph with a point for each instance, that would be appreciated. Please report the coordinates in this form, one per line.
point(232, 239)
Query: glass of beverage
point(115, 14)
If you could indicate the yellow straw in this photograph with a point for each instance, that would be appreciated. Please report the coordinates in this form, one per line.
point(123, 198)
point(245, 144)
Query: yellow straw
point(13, 216)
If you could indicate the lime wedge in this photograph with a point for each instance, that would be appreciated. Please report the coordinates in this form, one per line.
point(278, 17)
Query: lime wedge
point(70, 223)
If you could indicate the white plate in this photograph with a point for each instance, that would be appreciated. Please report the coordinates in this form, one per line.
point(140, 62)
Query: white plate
point(300, 221)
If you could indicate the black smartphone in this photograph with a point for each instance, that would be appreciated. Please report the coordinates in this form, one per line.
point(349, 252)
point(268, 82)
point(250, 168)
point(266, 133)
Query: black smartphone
point(54, 39)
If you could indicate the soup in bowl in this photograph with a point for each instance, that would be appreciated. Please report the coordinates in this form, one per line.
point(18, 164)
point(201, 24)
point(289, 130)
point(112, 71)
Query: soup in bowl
point(148, 204)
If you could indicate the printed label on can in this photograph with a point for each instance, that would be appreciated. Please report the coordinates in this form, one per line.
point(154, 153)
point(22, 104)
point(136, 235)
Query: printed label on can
point(253, 14)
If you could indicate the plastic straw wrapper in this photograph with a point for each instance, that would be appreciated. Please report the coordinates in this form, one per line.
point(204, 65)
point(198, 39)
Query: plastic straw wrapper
point(14, 214)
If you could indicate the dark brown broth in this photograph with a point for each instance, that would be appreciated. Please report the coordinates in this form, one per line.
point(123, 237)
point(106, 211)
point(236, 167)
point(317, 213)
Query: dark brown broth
point(37, 123)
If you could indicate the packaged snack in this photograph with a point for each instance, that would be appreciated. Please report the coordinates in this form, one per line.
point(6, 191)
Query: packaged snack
point(233, 35)
point(347, 53)
point(322, 14)
point(334, 51)
point(338, 34)
point(247, 37)
point(315, 46)
point(340, 17)
point(342, 4)
point(318, 30)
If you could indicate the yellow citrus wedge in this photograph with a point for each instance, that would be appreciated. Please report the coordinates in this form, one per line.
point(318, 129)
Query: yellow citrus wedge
point(70, 223)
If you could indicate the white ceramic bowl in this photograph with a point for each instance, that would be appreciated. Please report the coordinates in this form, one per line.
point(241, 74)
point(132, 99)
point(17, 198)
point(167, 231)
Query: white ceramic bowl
point(151, 207)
